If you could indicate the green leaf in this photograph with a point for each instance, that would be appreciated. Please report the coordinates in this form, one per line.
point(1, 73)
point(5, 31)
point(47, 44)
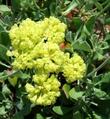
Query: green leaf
point(39, 116)
point(89, 5)
point(66, 89)
point(69, 37)
point(100, 94)
point(2, 74)
point(13, 80)
point(4, 8)
point(23, 75)
point(16, 5)
point(75, 94)
point(6, 90)
point(18, 115)
point(8, 74)
point(85, 31)
point(52, 8)
point(70, 7)
point(1, 27)
point(107, 21)
point(68, 116)
point(96, 116)
point(26, 108)
point(20, 104)
point(2, 110)
point(98, 5)
point(82, 45)
point(98, 56)
point(106, 78)
point(90, 24)
point(77, 115)
point(4, 39)
point(60, 110)
point(103, 78)
point(1, 96)
point(77, 22)
point(3, 51)
point(9, 104)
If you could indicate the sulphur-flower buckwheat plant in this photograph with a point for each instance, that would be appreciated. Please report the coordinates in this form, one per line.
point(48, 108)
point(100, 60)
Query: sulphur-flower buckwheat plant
point(36, 46)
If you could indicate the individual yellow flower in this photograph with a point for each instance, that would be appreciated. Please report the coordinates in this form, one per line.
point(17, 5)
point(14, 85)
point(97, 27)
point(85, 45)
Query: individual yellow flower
point(29, 88)
point(51, 67)
point(40, 78)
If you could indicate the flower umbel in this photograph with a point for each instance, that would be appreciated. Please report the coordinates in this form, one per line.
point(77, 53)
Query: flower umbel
point(74, 69)
point(43, 92)
point(36, 46)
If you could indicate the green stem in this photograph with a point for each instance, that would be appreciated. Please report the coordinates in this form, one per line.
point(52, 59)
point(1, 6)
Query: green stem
point(1, 63)
point(36, 4)
point(106, 2)
point(78, 32)
point(105, 8)
point(98, 83)
point(98, 68)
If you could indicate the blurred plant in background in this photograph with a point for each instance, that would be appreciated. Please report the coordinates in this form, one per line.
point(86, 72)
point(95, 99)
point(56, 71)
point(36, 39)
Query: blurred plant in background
point(87, 33)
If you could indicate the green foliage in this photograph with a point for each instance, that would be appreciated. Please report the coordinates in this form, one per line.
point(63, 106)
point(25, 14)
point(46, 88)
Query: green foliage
point(4, 9)
point(61, 110)
point(88, 33)
point(75, 94)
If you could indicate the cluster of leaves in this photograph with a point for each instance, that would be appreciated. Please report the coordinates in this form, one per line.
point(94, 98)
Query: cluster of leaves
point(88, 31)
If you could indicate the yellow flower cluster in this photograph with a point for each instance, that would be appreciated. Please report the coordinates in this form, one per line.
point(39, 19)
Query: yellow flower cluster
point(25, 36)
point(36, 46)
point(74, 69)
point(45, 90)
point(28, 40)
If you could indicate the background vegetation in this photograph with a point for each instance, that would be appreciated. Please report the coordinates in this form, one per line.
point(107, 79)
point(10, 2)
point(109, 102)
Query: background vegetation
point(88, 31)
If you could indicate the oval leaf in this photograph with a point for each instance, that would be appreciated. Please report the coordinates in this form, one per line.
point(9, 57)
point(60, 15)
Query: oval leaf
point(75, 95)
point(60, 110)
